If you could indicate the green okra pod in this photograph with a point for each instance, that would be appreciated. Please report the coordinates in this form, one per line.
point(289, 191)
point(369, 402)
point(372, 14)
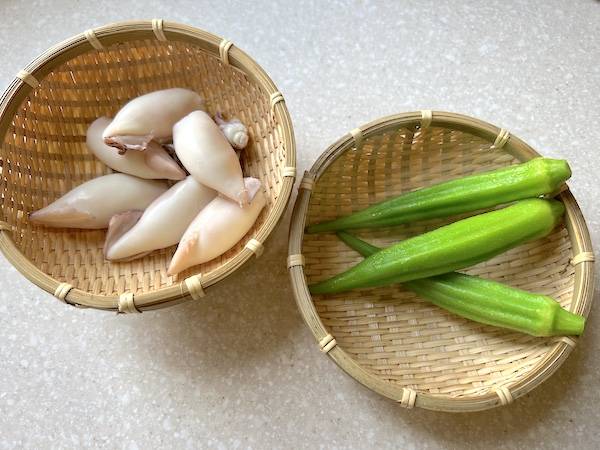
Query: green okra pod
point(487, 301)
point(460, 244)
point(539, 176)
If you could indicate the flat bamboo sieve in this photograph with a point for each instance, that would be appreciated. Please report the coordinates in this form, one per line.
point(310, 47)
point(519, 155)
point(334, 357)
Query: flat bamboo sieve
point(389, 339)
point(44, 115)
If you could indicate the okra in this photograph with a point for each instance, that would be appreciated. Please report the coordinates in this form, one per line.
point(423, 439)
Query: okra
point(460, 244)
point(487, 301)
point(537, 177)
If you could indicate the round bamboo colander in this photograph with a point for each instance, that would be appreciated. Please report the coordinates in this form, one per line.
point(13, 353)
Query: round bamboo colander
point(389, 339)
point(44, 115)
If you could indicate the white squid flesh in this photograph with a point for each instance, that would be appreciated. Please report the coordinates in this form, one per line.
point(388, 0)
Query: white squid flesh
point(154, 163)
point(92, 204)
point(217, 228)
point(206, 154)
point(150, 117)
point(132, 234)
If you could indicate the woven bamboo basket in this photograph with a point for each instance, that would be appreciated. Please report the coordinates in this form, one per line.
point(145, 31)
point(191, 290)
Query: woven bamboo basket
point(389, 339)
point(44, 115)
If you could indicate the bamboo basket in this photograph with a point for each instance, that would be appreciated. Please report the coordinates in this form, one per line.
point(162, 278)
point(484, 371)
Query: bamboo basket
point(389, 339)
point(44, 115)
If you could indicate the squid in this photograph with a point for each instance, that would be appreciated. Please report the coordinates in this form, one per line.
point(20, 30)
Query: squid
point(205, 153)
point(234, 130)
point(217, 228)
point(150, 117)
point(133, 234)
point(155, 162)
point(92, 204)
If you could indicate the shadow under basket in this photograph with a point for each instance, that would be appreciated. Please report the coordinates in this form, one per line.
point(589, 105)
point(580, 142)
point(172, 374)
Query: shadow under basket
point(388, 338)
point(44, 116)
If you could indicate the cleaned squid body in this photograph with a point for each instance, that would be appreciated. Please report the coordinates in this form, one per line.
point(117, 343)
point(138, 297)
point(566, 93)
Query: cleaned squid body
point(161, 225)
point(208, 157)
point(155, 162)
point(217, 228)
point(150, 117)
point(92, 204)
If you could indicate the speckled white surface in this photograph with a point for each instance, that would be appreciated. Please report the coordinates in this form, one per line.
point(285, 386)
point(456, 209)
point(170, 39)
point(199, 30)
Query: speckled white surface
point(240, 370)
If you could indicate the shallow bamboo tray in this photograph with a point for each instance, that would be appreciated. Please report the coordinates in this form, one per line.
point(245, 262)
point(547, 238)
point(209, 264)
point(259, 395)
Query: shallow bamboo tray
point(44, 115)
point(389, 339)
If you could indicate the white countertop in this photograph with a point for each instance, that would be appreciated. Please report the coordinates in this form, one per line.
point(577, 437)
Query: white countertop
point(240, 369)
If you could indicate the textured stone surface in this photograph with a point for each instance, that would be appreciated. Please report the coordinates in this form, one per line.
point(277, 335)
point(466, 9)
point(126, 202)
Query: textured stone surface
point(240, 369)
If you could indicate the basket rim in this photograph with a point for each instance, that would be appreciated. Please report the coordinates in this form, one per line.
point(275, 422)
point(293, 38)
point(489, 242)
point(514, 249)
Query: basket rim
point(578, 234)
point(118, 32)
